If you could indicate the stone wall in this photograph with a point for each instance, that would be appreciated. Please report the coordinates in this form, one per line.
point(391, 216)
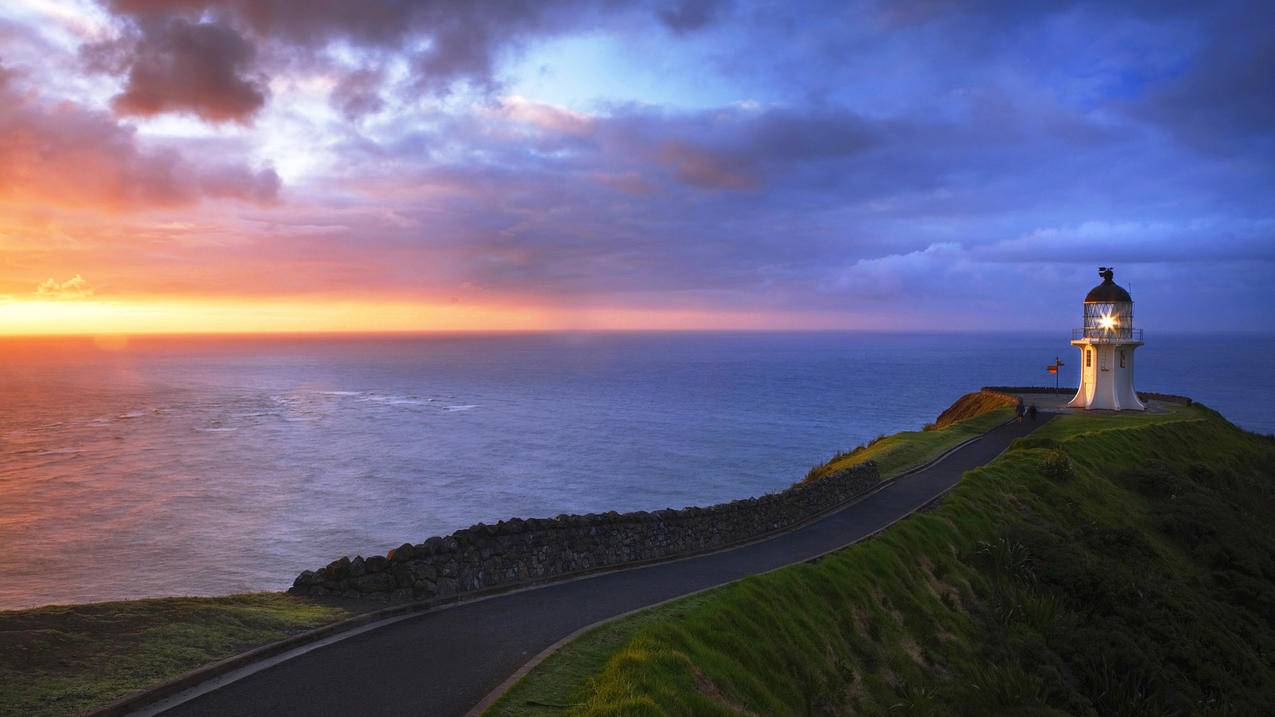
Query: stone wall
point(518, 551)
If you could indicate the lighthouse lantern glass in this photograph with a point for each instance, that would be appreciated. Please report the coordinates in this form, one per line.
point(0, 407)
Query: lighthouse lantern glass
point(1108, 319)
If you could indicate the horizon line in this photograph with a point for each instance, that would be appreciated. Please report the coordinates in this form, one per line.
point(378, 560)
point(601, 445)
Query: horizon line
point(551, 331)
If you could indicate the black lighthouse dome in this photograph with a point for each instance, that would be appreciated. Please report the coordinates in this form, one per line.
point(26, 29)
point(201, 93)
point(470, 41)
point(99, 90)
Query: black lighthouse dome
point(1108, 292)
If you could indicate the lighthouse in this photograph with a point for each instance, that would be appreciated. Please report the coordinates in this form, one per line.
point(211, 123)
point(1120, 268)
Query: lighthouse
point(1106, 346)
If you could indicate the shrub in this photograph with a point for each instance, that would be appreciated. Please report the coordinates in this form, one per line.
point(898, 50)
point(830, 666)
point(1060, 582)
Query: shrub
point(1057, 467)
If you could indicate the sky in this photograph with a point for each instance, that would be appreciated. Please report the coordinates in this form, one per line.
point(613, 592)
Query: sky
point(280, 165)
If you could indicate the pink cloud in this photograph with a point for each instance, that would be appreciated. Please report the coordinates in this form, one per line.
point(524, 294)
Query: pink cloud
point(65, 154)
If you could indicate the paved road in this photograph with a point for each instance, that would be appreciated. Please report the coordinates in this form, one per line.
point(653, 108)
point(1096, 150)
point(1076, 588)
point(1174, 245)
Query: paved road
point(443, 663)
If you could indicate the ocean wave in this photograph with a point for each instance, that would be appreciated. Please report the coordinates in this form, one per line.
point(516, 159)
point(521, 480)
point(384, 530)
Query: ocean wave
point(406, 402)
point(131, 415)
point(462, 407)
point(394, 399)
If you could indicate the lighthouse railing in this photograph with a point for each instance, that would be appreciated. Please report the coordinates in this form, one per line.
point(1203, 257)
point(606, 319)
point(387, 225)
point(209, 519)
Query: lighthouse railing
point(1111, 335)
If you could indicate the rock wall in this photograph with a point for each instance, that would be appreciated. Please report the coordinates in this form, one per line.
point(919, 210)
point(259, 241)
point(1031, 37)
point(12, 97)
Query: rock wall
point(518, 551)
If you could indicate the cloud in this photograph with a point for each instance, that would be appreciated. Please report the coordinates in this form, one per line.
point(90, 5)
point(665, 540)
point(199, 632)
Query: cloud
point(942, 267)
point(357, 94)
point(547, 117)
point(707, 168)
point(1210, 239)
point(201, 56)
point(65, 154)
point(74, 288)
point(917, 171)
point(1224, 98)
point(685, 16)
point(199, 68)
point(211, 58)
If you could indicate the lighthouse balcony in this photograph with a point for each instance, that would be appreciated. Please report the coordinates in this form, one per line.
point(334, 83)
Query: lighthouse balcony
point(1114, 335)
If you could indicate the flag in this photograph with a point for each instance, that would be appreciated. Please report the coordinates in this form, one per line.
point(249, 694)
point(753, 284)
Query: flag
point(1052, 368)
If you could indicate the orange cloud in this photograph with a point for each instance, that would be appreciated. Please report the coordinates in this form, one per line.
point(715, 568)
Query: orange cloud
point(74, 288)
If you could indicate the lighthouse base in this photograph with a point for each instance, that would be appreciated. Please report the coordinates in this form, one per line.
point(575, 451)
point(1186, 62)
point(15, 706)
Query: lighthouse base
point(1106, 376)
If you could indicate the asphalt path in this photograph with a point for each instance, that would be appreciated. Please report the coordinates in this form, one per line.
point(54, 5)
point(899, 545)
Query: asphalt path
point(443, 663)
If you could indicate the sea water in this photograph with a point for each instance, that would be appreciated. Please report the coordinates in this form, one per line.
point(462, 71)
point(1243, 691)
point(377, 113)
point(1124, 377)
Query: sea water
point(201, 466)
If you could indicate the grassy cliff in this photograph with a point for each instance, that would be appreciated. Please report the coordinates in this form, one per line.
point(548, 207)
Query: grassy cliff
point(69, 659)
point(972, 415)
point(1104, 565)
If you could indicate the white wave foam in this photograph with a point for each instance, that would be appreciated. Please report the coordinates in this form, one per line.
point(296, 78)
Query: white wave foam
point(463, 407)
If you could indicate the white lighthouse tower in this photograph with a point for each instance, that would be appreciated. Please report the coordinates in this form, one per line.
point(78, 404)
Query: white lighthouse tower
point(1106, 346)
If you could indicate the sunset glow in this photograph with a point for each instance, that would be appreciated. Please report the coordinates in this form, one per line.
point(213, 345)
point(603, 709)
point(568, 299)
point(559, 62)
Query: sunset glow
point(166, 315)
point(204, 166)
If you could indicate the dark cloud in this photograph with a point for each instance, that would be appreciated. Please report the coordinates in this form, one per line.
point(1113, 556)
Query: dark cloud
point(200, 55)
point(64, 154)
point(1224, 98)
point(684, 16)
point(201, 68)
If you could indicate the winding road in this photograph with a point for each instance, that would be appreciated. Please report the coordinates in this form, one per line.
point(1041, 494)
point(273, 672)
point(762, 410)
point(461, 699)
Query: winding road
point(444, 662)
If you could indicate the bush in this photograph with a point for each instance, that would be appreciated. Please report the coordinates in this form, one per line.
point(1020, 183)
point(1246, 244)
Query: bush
point(1057, 467)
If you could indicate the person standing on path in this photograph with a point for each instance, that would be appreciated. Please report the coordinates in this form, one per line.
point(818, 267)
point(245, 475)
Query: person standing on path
point(1031, 412)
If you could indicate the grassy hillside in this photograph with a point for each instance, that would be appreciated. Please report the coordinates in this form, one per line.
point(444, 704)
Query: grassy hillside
point(972, 405)
point(973, 414)
point(1104, 565)
point(65, 660)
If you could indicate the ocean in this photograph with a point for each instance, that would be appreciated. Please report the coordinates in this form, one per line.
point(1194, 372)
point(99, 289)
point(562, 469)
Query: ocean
point(201, 466)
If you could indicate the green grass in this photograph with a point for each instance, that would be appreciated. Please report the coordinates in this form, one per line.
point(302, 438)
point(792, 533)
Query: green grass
point(64, 660)
point(1105, 565)
point(1072, 425)
point(900, 451)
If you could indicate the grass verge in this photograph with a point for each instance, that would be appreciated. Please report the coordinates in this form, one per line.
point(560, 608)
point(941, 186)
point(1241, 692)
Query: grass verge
point(1105, 565)
point(65, 660)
